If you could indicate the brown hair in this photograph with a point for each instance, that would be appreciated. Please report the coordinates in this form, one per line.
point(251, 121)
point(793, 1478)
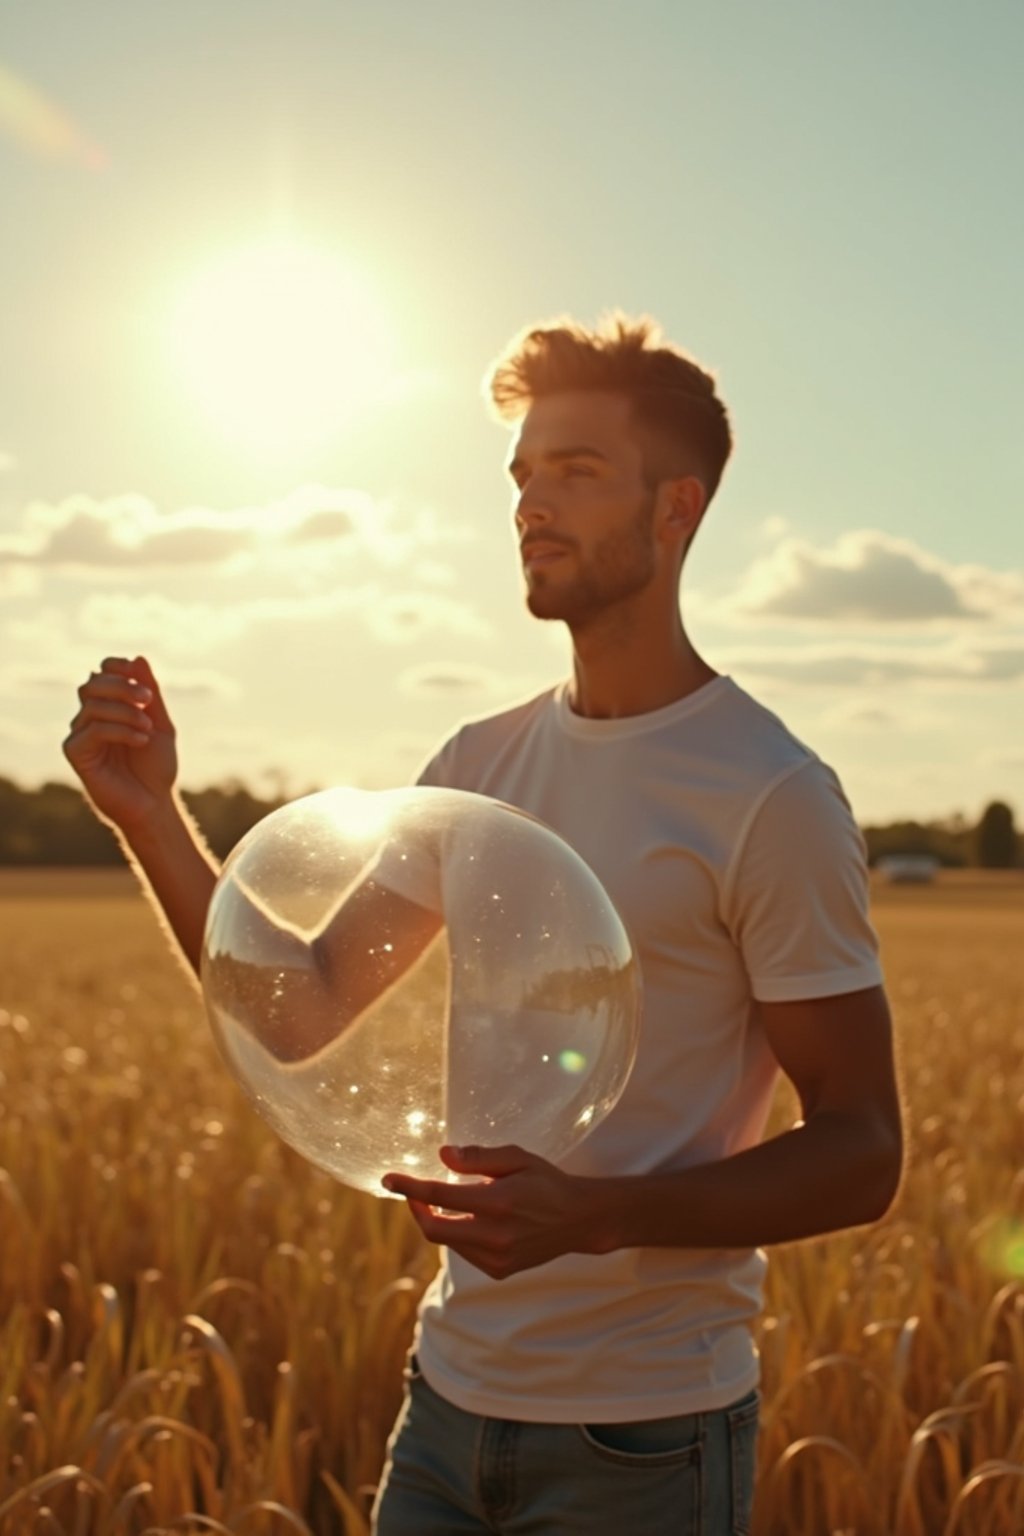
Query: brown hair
point(684, 423)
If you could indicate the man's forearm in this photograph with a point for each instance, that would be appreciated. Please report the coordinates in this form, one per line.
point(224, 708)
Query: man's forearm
point(839, 1170)
point(179, 869)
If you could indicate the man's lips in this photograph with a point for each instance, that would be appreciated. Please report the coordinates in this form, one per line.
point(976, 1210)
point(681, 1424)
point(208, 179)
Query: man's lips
point(541, 552)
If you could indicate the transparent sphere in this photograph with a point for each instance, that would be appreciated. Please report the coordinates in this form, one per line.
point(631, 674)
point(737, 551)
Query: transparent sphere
point(388, 972)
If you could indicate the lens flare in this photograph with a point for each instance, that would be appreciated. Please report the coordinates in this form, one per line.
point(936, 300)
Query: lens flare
point(573, 1062)
point(42, 127)
point(1003, 1247)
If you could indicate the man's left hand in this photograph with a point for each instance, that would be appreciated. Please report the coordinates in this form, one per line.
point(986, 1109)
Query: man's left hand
point(521, 1212)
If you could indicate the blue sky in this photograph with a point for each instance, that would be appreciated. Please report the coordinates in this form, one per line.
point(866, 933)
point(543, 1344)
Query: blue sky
point(818, 201)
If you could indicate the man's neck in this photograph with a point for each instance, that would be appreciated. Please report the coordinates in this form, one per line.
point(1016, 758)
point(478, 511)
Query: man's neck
point(615, 676)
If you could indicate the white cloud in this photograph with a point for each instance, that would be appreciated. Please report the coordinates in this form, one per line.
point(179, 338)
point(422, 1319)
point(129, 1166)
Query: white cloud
point(327, 525)
point(199, 683)
point(870, 577)
point(123, 533)
point(877, 666)
point(118, 620)
point(400, 617)
point(455, 679)
point(48, 678)
point(863, 714)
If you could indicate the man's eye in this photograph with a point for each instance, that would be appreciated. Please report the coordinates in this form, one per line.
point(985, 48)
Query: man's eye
point(578, 469)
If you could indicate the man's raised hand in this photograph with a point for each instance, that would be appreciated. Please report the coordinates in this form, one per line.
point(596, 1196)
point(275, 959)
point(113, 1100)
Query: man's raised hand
point(121, 743)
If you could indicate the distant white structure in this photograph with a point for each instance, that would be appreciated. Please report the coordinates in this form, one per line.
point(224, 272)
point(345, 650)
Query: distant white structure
point(908, 868)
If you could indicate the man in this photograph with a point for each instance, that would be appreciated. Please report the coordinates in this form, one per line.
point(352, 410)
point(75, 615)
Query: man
point(584, 1360)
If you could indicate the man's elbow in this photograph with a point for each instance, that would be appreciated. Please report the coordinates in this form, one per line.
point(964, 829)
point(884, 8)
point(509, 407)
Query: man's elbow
point(296, 1036)
point(886, 1170)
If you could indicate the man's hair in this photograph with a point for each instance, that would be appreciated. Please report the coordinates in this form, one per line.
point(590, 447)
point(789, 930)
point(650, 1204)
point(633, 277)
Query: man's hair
point(684, 425)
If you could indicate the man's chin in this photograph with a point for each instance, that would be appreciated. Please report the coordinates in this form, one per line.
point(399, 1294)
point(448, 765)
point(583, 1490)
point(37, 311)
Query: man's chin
point(547, 605)
point(575, 602)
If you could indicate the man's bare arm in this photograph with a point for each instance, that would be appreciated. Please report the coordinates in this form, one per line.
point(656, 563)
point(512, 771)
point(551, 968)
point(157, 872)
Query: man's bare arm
point(296, 992)
point(839, 1168)
point(122, 744)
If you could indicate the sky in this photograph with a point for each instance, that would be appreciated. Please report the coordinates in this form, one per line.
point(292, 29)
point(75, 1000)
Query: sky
point(256, 257)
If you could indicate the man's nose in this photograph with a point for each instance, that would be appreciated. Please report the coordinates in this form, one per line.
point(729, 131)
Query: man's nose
point(533, 508)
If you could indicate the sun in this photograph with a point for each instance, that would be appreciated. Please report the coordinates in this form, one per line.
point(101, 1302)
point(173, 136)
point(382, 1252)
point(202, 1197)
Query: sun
point(282, 347)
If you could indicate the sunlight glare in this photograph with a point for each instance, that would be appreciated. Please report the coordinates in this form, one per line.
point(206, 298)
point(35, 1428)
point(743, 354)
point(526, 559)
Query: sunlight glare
point(282, 347)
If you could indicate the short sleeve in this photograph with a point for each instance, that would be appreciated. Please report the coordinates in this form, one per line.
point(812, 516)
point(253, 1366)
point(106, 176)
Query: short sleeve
point(796, 898)
point(438, 772)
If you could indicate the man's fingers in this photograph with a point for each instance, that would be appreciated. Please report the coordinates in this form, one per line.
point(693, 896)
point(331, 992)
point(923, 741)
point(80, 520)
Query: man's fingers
point(139, 677)
point(126, 692)
point(104, 685)
point(120, 670)
point(433, 1192)
point(112, 685)
point(435, 1227)
point(143, 672)
point(489, 1162)
point(108, 711)
point(85, 740)
point(461, 1235)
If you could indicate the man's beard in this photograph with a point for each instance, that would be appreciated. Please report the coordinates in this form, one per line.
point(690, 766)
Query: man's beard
point(617, 568)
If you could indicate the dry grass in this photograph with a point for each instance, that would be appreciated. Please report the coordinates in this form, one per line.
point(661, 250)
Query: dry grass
point(198, 1332)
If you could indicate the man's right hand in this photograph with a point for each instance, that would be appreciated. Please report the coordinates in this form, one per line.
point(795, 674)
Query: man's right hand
point(121, 743)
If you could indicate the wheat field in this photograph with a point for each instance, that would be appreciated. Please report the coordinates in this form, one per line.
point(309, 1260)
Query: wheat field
point(199, 1332)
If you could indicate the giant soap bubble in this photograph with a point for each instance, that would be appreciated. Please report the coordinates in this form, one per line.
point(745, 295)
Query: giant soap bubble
point(387, 972)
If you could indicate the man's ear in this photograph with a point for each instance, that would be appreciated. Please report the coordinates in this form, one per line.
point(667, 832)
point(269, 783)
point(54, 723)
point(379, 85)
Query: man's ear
point(685, 503)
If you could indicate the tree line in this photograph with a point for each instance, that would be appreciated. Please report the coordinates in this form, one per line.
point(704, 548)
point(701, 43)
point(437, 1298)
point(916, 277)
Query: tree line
point(54, 826)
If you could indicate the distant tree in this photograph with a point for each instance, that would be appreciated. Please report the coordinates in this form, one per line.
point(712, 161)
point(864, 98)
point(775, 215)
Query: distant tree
point(54, 824)
point(65, 830)
point(51, 825)
point(995, 837)
point(950, 845)
point(225, 812)
point(16, 844)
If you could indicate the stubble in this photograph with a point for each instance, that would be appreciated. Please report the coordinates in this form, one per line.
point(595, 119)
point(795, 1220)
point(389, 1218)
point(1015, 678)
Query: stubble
point(618, 567)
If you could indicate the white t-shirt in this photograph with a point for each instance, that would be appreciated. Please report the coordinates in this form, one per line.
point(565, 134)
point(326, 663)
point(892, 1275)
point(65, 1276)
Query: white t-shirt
point(733, 859)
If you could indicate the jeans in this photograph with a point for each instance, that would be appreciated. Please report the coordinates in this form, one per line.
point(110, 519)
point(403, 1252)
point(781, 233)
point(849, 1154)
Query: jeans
point(452, 1473)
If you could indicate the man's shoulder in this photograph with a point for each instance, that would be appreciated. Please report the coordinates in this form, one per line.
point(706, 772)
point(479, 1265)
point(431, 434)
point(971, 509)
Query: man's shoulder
point(780, 780)
point(755, 741)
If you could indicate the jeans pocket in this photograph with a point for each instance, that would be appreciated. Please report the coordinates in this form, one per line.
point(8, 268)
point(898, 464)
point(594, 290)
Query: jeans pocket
point(743, 1420)
point(648, 1442)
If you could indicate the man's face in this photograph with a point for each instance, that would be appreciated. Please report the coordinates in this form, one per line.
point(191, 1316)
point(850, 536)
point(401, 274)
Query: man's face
point(583, 510)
